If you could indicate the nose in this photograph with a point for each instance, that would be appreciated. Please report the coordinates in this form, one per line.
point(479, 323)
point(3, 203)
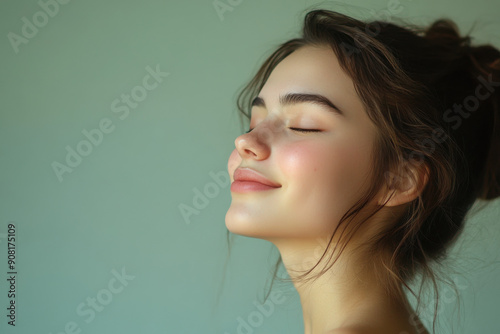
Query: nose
point(254, 144)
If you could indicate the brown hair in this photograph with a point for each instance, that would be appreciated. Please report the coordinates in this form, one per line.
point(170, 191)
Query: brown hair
point(427, 91)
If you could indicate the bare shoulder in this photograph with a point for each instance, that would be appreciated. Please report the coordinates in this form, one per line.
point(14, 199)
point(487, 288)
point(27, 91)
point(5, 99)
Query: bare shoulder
point(354, 331)
point(366, 331)
point(349, 331)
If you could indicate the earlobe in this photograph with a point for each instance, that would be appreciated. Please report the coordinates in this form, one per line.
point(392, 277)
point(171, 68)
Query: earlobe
point(405, 186)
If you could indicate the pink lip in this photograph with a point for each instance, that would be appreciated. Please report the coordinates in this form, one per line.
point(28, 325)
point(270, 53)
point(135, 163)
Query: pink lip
point(246, 180)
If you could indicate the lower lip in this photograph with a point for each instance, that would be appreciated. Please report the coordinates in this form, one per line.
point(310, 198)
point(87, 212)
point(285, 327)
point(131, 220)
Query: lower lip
point(247, 186)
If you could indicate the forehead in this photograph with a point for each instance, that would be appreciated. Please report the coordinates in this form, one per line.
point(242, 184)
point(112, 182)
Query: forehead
point(311, 69)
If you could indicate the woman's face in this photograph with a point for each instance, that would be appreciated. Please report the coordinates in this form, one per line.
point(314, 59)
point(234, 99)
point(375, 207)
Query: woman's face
point(321, 174)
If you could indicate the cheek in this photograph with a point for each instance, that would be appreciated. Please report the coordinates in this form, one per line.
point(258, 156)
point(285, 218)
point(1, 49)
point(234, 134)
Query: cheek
point(325, 162)
point(323, 179)
point(318, 162)
point(300, 161)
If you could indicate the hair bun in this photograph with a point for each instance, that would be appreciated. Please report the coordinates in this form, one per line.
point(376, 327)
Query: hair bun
point(490, 188)
point(486, 63)
point(483, 65)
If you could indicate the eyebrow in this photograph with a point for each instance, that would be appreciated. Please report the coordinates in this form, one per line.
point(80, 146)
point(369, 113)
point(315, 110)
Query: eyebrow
point(295, 98)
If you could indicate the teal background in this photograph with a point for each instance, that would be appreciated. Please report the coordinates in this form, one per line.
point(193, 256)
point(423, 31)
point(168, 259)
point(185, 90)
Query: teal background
point(120, 207)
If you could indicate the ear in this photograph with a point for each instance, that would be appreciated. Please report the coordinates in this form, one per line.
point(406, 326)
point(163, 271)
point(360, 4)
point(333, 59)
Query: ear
point(405, 185)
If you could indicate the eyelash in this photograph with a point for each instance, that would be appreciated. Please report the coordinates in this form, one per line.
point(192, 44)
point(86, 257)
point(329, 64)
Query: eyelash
point(296, 129)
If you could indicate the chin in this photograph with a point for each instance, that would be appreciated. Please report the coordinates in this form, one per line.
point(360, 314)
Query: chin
point(240, 223)
point(244, 224)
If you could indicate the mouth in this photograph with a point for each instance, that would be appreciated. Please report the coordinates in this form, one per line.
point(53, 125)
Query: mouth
point(247, 186)
point(247, 180)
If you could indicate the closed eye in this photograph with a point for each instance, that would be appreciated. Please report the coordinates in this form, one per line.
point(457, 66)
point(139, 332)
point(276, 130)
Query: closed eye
point(296, 129)
point(305, 130)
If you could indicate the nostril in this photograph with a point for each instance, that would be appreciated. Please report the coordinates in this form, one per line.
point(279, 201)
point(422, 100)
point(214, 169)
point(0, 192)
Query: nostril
point(247, 151)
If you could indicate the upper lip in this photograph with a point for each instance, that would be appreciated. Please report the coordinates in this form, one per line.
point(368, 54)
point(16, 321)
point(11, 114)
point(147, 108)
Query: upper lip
point(247, 174)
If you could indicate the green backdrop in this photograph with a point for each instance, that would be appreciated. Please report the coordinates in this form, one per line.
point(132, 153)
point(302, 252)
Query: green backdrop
point(116, 123)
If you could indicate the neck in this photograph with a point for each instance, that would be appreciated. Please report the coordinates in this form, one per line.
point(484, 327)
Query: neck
point(349, 292)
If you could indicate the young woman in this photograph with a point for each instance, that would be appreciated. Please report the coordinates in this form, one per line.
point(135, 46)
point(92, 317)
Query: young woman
point(376, 138)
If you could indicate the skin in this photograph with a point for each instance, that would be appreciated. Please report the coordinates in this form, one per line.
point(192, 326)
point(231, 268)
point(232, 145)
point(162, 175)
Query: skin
point(322, 174)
